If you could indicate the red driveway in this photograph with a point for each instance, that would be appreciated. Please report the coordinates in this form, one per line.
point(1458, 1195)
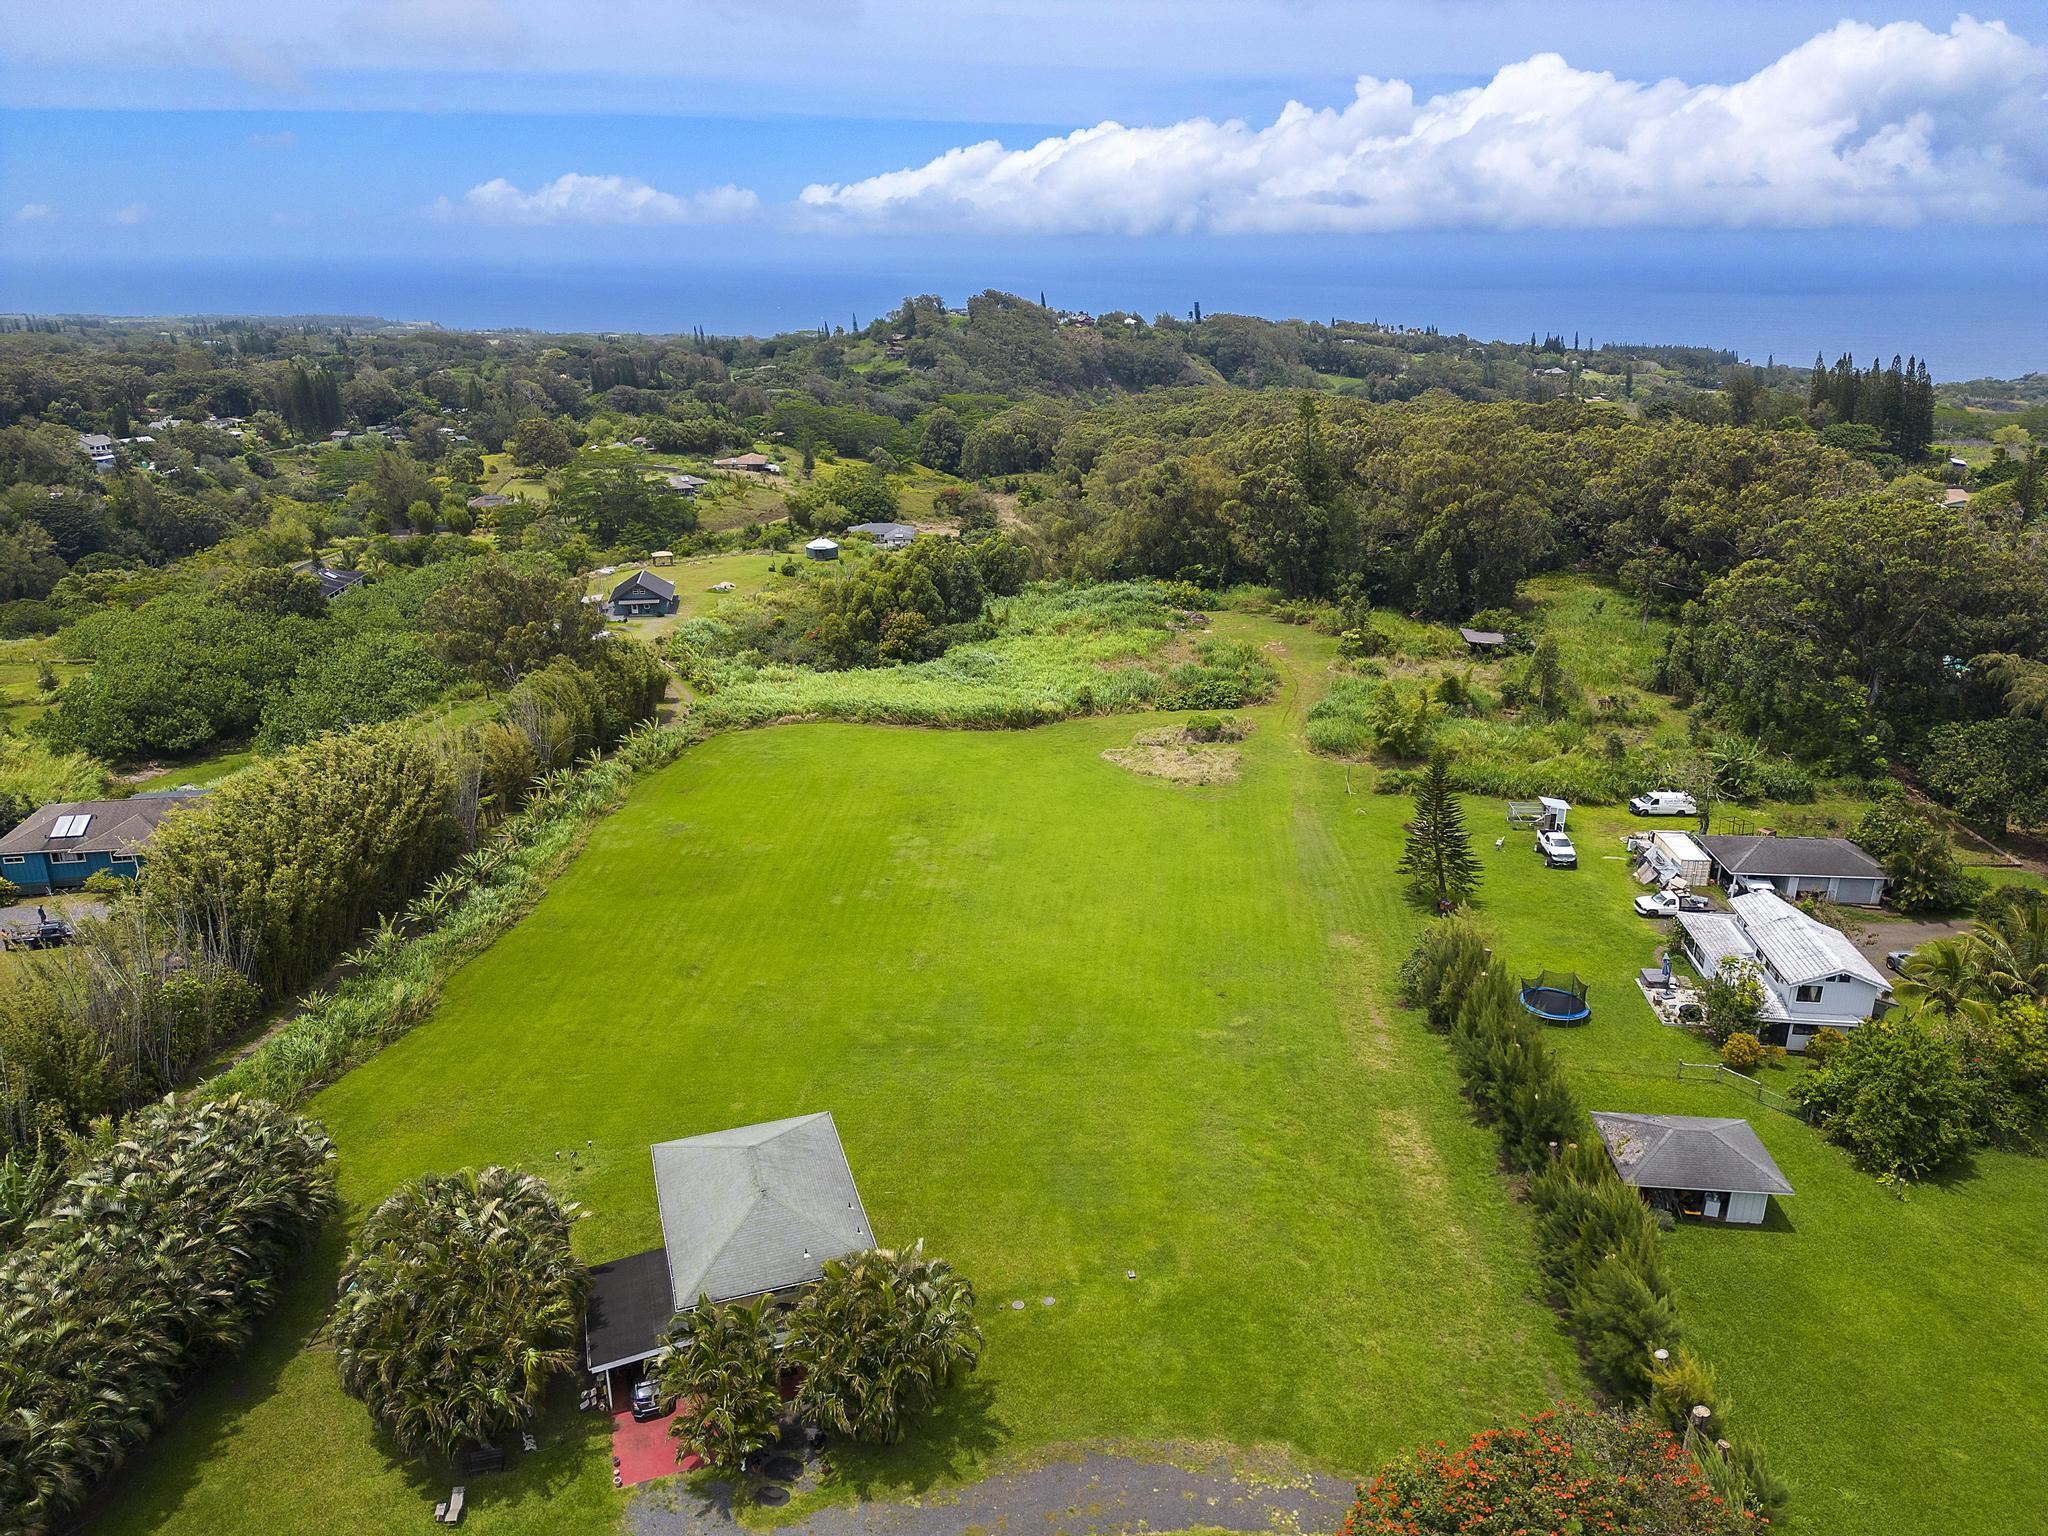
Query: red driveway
point(641, 1452)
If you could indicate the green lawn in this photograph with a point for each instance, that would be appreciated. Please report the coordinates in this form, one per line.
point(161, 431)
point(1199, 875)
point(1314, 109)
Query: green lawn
point(1074, 1022)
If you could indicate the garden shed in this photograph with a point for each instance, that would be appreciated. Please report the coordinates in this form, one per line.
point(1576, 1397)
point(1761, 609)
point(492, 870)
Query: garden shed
point(1703, 1166)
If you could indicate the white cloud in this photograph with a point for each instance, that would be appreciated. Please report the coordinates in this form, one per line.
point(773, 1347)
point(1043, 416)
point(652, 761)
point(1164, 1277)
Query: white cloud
point(31, 213)
point(1891, 125)
point(576, 199)
point(133, 213)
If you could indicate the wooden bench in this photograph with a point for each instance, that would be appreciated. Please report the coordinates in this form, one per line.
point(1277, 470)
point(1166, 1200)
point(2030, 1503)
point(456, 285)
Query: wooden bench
point(450, 1513)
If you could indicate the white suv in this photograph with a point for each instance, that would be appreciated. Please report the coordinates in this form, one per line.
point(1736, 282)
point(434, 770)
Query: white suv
point(1557, 850)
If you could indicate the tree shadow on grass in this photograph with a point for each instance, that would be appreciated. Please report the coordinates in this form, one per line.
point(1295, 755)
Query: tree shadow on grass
point(952, 1442)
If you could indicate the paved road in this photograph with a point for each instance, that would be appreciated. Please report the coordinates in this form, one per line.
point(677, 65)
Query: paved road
point(1099, 1494)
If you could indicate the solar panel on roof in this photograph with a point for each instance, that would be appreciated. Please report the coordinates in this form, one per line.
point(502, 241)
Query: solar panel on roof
point(71, 826)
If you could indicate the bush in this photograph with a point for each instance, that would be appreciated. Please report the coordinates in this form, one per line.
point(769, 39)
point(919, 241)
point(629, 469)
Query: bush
point(9, 891)
point(1824, 1044)
point(1898, 1095)
point(107, 885)
point(1571, 1469)
point(149, 1262)
point(1918, 858)
point(1683, 1383)
point(460, 1302)
point(1742, 1051)
point(1733, 998)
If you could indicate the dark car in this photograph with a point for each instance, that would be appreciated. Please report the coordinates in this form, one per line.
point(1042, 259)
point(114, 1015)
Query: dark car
point(1895, 961)
point(646, 1399)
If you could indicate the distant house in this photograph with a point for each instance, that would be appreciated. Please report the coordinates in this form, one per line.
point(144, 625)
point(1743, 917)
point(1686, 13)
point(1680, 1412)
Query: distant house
point(98, 447)
point(822, 548)
point(1702, 1166)
point(754, 1211)
point(1955, 496)
point(61, 846)
point(642, 595)
point(332, 582)
point(1813, 977)
point(485, 503)
point(1832, 867)
point(888, 535)
point(1483, 642)
point(689, 485)
point(755, 463)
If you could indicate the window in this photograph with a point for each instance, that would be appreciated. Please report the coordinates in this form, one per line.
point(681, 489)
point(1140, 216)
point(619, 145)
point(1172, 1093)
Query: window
point(14, 858)
point(67, 858)
point(1810, 993)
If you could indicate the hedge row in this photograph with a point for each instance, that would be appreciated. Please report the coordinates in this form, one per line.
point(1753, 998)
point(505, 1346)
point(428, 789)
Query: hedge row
point(1598, 1244)
point(151, 1260)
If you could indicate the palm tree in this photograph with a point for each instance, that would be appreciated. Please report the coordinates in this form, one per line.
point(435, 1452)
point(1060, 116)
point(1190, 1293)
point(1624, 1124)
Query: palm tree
point(721, 1365)
point(879, 1336)
point(1948, 975)
point(460, 1301)
point(2013, 950)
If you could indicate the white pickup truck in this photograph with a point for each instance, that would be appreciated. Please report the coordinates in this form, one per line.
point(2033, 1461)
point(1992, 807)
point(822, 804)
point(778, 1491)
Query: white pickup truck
point(1557, 850)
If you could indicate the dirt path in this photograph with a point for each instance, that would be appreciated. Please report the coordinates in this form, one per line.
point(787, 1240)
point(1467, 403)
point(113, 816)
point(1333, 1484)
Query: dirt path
point(1100, 1494)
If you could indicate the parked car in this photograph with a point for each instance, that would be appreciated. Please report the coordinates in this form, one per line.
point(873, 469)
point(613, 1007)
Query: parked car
point(1895, 960)
point(1557, 850)
point(1665, 802)
point(646, 1399)
point(1670, 904)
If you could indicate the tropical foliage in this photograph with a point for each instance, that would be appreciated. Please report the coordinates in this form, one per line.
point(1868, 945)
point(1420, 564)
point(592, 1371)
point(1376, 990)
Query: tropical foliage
point(878, 1338)
point(154, 1258)
point(460, 1302)
point(721, 1367)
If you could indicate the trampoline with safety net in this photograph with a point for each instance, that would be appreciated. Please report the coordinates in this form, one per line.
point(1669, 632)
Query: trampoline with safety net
point(1556, 997)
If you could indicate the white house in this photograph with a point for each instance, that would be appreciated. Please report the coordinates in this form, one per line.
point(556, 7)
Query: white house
point(1710, 1168)
point(1832, 867)
point(98, 447)
point(1813, 977)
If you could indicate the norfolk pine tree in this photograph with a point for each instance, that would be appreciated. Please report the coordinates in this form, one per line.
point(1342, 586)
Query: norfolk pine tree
point(1439, 864)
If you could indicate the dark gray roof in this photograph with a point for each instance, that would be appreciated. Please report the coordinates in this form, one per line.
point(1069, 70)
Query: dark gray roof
point(887, 532)
point(646, 582)
point(628, 1311)
point(1816, 857)
point(115, 826)
point(755, 1209)
point(1483, 637)
point(1701, 1152)
point(334, 583)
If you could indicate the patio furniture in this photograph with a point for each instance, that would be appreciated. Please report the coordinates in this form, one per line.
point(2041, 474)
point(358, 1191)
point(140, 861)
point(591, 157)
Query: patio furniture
point(450, 1513)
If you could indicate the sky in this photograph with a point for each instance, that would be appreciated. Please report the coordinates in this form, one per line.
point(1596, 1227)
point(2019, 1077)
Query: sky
point(764, 162)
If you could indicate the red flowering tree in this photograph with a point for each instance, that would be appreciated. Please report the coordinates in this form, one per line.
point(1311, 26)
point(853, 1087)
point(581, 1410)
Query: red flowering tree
point(1567, 1472)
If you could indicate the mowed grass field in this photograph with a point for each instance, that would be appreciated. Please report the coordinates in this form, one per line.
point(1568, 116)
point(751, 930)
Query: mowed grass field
point(1073, 1022)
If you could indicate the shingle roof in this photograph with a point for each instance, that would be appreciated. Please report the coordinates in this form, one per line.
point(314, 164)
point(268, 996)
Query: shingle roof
point(647, 582)
point(115, 826)
point(1817, 857)
point(334, 583)
point(1483, 637)
point(1799, 948)
point(756, 1209)
point(630, 1308)
point(1701, 1152)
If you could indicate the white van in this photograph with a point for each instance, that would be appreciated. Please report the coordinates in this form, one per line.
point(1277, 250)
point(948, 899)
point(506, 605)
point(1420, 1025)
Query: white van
point(1665, 802)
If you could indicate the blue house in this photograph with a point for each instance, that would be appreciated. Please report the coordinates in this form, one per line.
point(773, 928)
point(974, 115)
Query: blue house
point(642, 596)
point(61, 846)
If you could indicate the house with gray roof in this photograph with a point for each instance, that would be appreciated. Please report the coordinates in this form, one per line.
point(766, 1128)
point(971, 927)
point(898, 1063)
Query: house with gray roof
point(60, 847)
point(642, 595)
point(1813, 977)
point(749, 1212)
point(887, 535)
point(1703, 1166)
point(1832, 867)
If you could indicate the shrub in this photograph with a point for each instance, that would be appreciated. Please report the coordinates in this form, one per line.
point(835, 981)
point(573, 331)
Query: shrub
point(1445, 961)
point(1897, 1094)
point(1744, 1482)
point(1338, 722)
point(1918, 858)
point(1570, 1469)
point(878, 1337)
point(1623, 1313)
point(1683, 1383)
point(1742, 1051)
point(1733, 998)
point(1825, 1043)
point(150, 1261)
point(9, 891)
point(107, 885)
point(460, 1301)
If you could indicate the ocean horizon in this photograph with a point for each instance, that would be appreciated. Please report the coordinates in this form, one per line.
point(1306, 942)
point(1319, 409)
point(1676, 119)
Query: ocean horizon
point(1986, 324)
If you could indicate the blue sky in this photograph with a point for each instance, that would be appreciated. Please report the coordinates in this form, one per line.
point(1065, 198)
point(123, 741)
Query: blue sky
point(1317, 143)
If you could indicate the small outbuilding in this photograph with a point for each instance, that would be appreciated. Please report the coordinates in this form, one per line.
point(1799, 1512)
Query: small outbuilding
point(887, 535)
point(753, 463)
point(1483, 642)
point(642, 595)
point(1701, 1166)
point(822, 548)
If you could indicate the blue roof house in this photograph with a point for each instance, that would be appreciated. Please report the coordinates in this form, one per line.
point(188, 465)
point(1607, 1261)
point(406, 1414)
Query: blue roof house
point(642, 596)
point(61, 846)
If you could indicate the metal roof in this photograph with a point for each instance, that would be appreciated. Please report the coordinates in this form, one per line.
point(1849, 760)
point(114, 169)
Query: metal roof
point(1483, 637)
point(1702, 1152)
point(111, 826)
point(1797, 947)
point(1819, 858)
point(755, 1209)
point(630, 1308)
